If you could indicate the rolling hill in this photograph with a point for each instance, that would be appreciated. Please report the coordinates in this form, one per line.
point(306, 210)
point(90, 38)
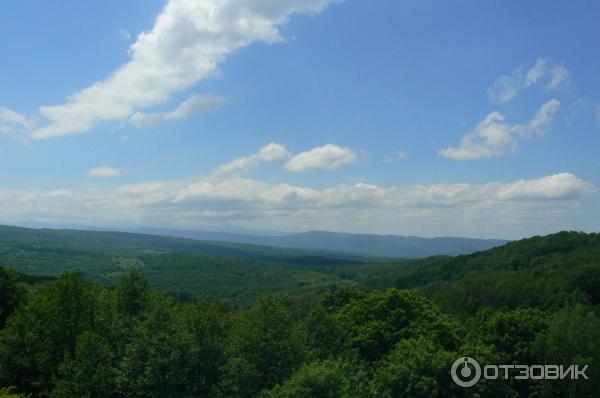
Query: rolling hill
point(391, 246)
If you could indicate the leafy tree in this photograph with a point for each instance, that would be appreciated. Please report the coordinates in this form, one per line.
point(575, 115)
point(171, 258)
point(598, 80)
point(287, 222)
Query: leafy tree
point(373, 325)
point(155, 360)
point(11, 293)
point(90, 372)
point(11, 392)
point(511, 332)
point(39, 334)
point(324, 379)
point(416, 368)
point(572, 338)
point(263, 349)
point(207, 329)
point(132, 292)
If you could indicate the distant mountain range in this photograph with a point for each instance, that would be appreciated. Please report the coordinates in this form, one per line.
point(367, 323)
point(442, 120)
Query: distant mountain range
point(392, 246)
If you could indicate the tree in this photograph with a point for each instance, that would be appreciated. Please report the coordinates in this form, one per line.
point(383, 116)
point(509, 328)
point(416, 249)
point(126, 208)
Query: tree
point(417, 368)
point(263, 349)
point(155, 360)
point(206, 329)
point(90, 372)
point(40, 333)
point(374, 324)
point(572, 338)
point(132, 292)
point(325, 379)
point(11, 293)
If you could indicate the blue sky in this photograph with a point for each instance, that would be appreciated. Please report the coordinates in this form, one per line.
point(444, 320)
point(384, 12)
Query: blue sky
point(471, 118)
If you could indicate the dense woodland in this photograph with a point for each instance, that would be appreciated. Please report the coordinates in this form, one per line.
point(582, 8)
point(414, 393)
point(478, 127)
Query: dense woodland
point(312, 327)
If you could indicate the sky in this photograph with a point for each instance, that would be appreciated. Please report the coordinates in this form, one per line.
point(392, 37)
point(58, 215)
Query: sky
point(430, 118)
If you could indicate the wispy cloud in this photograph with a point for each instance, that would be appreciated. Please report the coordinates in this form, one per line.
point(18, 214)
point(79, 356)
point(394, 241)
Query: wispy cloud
point(559, 77)
point(187, 43)
point(193, 105)
point(396, 157)
point(493, 137)
point(124, 33)
point(12, 122)
point(507, 87)
point(269, 153)
point(104, 171)
point(327, 157)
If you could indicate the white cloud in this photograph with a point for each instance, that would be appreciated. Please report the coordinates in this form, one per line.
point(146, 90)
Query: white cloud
point(492, 137)
point(193, 105)
point(452, 208)
point(104, 171)
point(396, 156)
point(506, 88)
point(187, 43)
point(557, 186)
point(559, 77)
point(269, 153)
point(328, 157)
point(12, 122)
point(9, 116)
point(536, 72)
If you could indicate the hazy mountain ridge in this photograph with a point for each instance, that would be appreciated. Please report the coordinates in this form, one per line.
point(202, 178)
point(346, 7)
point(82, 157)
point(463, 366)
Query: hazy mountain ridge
point(393, 246)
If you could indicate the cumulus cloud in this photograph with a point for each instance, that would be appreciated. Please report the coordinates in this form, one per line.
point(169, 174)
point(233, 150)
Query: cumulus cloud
point(493, 137)
point(461, 208)
point(104, 171)
point(557, 186)
point(193, 105)
point(269, 153)
point(327, 157)
point(507, 87)
point(186, 44)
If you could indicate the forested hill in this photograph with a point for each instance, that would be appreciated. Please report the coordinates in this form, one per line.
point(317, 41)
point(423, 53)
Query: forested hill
point(382, 330)
point(545, 271)
point(393, 246)
point(185, 267)
point(114, 240)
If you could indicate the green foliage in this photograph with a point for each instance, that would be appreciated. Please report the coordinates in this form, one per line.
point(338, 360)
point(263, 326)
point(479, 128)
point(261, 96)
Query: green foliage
point(512, 333)
point(374, 324)
point(89, 372)
point(132, 293)
point(531, 302)
point(10, 392)
point(263, 350)
point(39, 335)
point(416, 368)
point(11, 293)
point(573, 337)
point(324, 379)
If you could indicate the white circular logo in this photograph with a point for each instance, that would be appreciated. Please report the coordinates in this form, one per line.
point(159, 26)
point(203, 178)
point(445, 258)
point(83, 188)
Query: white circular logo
point(469, 373)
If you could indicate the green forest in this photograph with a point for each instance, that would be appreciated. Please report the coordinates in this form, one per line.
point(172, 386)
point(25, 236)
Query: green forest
point(80, 320)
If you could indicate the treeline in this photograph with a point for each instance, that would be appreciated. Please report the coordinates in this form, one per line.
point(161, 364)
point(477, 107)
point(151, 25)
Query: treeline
point(72, 338)
point(394, 333)
point(550, 272)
